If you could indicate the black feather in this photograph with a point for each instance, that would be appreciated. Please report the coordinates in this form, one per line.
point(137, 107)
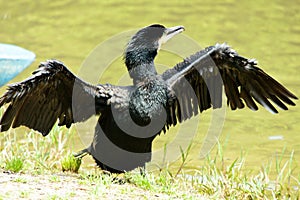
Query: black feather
point(132, 116)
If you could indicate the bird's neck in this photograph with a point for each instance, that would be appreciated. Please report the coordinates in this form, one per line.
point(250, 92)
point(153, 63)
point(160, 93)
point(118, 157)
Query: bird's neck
point(141, 72)
point(140, 64)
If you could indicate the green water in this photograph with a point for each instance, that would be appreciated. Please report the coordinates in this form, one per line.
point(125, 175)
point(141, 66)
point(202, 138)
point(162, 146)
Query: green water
point(266, 30)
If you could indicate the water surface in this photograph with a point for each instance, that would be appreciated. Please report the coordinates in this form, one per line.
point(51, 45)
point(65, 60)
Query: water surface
point(266, 30)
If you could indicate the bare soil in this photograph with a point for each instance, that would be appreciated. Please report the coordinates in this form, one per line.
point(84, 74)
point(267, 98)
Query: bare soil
point(66, 186)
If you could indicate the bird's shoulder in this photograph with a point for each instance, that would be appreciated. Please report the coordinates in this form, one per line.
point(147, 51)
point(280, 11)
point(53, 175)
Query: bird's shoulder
point(119, 96)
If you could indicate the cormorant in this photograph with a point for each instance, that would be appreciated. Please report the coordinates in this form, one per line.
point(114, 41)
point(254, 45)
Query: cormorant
point(132, 116)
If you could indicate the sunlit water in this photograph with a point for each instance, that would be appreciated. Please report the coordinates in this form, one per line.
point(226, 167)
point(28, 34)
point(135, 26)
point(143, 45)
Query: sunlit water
point(266, 30)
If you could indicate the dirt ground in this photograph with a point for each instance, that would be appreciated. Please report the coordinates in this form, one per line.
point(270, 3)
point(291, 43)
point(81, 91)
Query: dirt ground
point(66, 186)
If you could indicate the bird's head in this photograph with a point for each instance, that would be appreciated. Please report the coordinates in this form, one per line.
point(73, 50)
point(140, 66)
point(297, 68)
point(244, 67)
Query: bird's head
point(143, 46)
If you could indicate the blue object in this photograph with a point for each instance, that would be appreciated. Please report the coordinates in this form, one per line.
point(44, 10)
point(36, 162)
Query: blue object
point(13, 60)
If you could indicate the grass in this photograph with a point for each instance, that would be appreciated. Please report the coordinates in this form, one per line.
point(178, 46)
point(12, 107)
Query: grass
point(34, 152)
point(70, 163)
point(216, 179)
point(15, 164)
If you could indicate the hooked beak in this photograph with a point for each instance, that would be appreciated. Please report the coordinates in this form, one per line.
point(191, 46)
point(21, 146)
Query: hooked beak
point(171, 32)
point(174, 30)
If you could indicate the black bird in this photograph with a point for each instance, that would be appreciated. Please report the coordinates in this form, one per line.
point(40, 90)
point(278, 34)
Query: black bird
point(132, 116)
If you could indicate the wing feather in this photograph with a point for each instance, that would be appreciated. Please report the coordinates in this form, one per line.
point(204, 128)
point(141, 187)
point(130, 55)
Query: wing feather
point(51, 93)
point(213, 68)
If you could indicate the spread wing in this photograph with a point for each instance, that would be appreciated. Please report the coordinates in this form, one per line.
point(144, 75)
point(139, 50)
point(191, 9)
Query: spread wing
point(51, 93)
point(197, 82)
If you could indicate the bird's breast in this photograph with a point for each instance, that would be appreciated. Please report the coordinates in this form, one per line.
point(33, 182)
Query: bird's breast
point(147, 102)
